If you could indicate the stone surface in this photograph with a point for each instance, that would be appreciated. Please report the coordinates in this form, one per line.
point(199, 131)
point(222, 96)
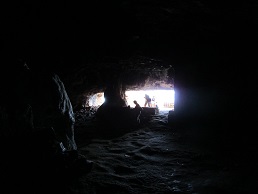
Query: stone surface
point(31, 101)
point(204, 48)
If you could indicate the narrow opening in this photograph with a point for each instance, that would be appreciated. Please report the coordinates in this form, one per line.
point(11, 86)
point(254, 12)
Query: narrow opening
point(96, 99)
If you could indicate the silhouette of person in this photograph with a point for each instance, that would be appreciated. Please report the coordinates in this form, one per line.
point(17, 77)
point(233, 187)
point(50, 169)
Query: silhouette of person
point(147, 100)
point(137, 106)
point(138, 109)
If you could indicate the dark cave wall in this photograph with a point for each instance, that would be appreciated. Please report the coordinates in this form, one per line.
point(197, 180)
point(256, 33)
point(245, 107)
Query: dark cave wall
point(210, 46)
point(31, 102)
point(216, 89)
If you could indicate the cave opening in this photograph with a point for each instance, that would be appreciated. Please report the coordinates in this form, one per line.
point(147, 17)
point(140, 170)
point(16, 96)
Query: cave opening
point(163, 99)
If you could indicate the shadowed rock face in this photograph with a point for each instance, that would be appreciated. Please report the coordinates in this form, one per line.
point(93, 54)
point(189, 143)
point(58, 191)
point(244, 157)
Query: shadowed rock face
point(207, 43)
point(52, 108)
point(32, 102)
point(203, 48)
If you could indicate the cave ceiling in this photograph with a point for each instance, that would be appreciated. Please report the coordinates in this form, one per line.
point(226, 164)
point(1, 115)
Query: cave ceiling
point(138, 42)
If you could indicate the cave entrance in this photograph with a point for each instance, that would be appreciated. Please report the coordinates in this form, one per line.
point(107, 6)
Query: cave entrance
point(163, 99)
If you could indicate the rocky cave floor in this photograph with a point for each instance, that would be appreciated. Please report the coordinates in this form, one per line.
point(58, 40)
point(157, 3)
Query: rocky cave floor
point(153, 158)
point(149, 158)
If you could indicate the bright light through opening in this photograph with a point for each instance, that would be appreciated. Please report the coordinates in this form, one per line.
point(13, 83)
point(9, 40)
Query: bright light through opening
point(163, 99)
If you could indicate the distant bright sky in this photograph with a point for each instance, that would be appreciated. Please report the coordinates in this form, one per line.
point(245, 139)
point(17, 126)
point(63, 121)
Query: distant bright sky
point(161, 97)
point(164, 99)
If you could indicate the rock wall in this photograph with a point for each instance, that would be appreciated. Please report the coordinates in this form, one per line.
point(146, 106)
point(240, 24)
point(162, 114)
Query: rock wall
point(32, 101)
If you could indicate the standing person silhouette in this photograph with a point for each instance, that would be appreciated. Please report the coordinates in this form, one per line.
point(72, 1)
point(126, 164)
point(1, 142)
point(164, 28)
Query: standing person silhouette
point(147, 100)
point(138, 110)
